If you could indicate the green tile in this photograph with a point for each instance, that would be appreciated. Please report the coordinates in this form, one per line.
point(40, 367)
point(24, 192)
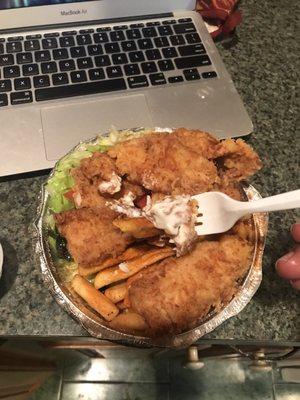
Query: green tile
point(287, 391)
point(218, 380)
point(118, 370)
point(50, 389)
point(116, 391)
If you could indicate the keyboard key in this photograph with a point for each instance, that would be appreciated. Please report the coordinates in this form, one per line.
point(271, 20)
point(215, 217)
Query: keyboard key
point(191, 74)
point(60, 54)
point(43, 55)
point(185, 20)
point(191, 50)
point(102, 61)
point(149, 32)
point(100, 37)
point(154, 23)
point(14, 47)
point(78, 52)
point(95, 49)
point(128, 45)
point(169, 52)
point(132, 69)
point(6, 59)
point(78, 76)
point(14, 38)
point(149, 67)
point(117, 36)
point(184, 28)
point(3, 100)
point(169, 22)
point(21, 97)
point(112, 47)
point(84, 63)
point(120, 27)
point(49, 43)
point(85, 31)
point(30, 69)
point(157, 79)
point(82, 40)
point(69, 33)
point(136, 56)
point(32, 45)
point(153, 54)
point(177, 40)
point(135, 82)
point(67, 41)
point(24, 58)
point(51, 34)
point(208, 75)
point(145, 44)
point(96, 73)
point(35, 36)
point(165, 30)
point(60, 79)
point(22, 83)
point(133, 34)
point(161, 42)
point(119, 58)
point(66, 65)
point(190, 62)
point(1, 48)
point(107, 85)
point(114, 72)
point(104, 29)
point(49, 67)
point(175, 79)
point(166, 65)
point(41, 81)
point(11, 72)
point(192, 38)
point(139, 25)
point(5, 86)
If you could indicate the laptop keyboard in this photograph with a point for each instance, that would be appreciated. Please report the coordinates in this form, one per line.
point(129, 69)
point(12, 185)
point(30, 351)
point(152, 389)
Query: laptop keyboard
point(58, 65)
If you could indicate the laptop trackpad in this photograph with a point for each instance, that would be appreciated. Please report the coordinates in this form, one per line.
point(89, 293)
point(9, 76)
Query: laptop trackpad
point(64, 126)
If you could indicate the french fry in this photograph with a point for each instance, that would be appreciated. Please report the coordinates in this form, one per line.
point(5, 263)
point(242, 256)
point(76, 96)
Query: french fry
point(128, 322)
point(126, 301)
point(128, 254)
point(115, 274)
point(140, 228)
point(94, 298)
point(116, 293)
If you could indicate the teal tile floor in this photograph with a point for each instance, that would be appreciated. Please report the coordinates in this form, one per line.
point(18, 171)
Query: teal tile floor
point(160, 378)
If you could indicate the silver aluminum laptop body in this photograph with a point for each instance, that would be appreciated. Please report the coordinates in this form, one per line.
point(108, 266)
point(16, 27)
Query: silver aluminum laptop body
point(35, 135)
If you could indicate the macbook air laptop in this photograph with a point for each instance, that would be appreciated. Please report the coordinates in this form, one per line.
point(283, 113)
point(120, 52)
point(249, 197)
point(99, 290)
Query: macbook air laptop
point(70, 70)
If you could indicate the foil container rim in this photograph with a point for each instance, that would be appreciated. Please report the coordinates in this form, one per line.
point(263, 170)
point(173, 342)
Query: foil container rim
point(101, 331)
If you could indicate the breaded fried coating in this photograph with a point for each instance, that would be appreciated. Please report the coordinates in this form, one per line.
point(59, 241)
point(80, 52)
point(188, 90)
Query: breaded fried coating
point(174, 294)
point(162, 163)
point(90, 234)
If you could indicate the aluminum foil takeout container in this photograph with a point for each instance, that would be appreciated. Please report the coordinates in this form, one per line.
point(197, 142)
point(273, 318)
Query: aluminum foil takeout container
point(96, 326)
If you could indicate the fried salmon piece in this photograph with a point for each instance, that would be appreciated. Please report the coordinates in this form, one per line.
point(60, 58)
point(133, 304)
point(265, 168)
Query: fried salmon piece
point(239, 160)
point(201, 142)
point(174, 294)
point(91, 236)
point(161, 163)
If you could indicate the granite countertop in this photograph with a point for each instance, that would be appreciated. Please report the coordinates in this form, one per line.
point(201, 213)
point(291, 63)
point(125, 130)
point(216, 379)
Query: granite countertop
point(263, 66)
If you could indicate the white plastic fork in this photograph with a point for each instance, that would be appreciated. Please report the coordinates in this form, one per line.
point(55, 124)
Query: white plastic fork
point(218, 213)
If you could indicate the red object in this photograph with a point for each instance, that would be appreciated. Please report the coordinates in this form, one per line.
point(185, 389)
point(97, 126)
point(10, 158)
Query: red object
point(141, 203)
point(221, 13)
point(69, 195)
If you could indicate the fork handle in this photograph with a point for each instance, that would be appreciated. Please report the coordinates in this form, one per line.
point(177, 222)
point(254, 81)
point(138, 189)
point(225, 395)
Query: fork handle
point(284, 201)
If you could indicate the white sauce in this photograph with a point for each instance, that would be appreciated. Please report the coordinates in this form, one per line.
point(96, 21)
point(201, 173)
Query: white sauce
point(112, 186)
point(125, 205)
point(124, 267)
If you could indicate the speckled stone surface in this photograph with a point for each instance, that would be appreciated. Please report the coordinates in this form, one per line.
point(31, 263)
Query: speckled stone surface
point(263, 64)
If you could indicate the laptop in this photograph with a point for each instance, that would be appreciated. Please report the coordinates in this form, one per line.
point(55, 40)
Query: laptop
point(70, 70)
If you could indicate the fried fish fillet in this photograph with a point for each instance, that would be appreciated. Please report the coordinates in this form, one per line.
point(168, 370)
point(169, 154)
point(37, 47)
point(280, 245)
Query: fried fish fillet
point(90, 234)
point(174, 294)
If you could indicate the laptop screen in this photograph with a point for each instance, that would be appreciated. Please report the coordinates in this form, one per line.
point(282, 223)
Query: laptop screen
point(8, 4)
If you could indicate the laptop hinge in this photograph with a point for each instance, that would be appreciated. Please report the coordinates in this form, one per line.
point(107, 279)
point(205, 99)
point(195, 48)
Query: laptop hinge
point(91, 22)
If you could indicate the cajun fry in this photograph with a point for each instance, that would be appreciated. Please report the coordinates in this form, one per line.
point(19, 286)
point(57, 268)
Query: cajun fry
point(116, 293)
point(94, 298)
point(128, 254)
point(128, 322)
point(115, 274)
point(139, 228)
point(126, 301)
